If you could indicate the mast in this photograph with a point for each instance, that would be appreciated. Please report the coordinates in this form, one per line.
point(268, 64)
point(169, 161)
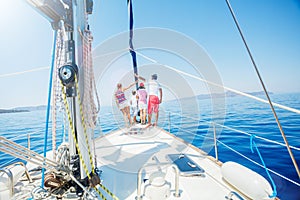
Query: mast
point(131, 48)
point(80, 15)
point(70, 17)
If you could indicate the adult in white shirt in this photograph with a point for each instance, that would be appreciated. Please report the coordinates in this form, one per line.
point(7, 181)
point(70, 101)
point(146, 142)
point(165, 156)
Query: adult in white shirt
point(155, 97)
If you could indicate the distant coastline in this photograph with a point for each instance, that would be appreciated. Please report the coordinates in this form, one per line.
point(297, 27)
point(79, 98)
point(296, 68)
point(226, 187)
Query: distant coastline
point(22, 109)
point(201, 96)
point(2, 111)
point(230, 94)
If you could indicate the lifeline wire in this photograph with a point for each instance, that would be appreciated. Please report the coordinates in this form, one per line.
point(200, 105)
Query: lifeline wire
point(23, 72)
point(221, 86)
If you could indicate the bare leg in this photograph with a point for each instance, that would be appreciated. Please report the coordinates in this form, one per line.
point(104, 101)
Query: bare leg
point(149, 118)
point(144, 116)
point(156, 119)
point(124, 115)
point(134, 119)
point(129, 117)
point(127, 110)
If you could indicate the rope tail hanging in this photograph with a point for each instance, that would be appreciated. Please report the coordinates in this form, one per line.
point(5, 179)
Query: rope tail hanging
point(131, 49)
point(252, 143)
point(48, 105)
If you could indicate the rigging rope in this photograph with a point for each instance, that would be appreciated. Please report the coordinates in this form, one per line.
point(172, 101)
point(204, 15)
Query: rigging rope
point(264, 88)
point(24, 72)
point(49, 105)
point(90, 109)
point(71, 125)
point(59, 96)
point(87, 142)
point(84, 124)
point(252, 143)
point(131, 49)
point(59, 60)
point(215, 84)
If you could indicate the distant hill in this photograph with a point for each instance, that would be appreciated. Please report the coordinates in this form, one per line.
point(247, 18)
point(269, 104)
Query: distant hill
point(260, 93)
point(32, 108)
point(201, 96)
point(23, 109)
point(11, 111)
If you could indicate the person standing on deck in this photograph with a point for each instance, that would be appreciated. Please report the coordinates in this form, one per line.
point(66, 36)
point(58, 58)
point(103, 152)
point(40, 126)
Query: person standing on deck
point(134, 106)
point(122, 102)
point(155, 97)
point(142, 96)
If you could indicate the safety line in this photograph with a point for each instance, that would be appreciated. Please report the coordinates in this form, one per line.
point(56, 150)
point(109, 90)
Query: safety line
point(24, 72)
point(259, 137)
point(274, 172)
point(239, 131)
point(221, 86)
point(236, 130)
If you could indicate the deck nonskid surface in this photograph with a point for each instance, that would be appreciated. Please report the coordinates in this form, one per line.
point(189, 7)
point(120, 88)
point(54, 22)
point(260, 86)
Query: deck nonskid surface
point(122, 153)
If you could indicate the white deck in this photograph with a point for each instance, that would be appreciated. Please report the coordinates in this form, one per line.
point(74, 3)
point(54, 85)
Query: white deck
point(120, 156)
point(122, 153)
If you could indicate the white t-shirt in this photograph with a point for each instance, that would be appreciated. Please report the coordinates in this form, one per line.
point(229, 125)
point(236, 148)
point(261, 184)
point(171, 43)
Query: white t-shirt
point(153, 87)
point(133, 101)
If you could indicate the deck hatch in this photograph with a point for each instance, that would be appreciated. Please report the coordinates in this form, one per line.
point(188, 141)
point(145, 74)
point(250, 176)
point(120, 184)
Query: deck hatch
point(185, 165)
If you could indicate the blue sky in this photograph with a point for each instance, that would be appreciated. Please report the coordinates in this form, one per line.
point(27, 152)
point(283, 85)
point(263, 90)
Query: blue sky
point(271, 28)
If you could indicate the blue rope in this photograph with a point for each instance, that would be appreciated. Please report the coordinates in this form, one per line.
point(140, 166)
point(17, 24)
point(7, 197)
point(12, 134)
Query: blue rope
point(252, 143)
point(49, 105)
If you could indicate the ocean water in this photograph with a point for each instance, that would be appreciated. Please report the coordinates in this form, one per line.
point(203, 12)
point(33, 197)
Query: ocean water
point(195, 120)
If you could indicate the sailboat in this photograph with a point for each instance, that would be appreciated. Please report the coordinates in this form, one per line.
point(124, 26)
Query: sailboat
point(138, 161)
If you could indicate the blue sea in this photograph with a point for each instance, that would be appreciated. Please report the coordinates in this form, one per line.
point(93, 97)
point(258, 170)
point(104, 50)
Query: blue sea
point(194, 120)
